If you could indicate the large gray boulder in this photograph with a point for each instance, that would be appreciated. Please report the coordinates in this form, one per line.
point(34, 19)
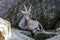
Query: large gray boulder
point(17, 35)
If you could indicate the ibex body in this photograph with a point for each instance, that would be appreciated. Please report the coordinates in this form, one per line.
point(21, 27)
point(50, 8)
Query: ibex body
point(32, 25)
point(5, 28)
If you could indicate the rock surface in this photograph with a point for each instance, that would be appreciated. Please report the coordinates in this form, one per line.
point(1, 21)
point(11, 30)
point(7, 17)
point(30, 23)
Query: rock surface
point(4, 6)
point(55, 38)
point(17, 35)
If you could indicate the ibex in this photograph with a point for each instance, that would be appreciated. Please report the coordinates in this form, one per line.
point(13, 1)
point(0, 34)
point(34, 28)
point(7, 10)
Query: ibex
point(5, 29)
point(32, 25)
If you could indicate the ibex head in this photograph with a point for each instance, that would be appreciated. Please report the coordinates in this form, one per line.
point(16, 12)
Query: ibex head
point(26, 12)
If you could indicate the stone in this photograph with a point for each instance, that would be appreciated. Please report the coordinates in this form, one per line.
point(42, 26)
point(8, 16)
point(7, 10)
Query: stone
point(1, 36)
point(44, 35)
point(54, 38)
point(17, 35)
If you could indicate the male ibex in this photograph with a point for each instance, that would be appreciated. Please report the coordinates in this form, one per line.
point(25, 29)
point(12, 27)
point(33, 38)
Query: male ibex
point(5, 29)
point(32, 25)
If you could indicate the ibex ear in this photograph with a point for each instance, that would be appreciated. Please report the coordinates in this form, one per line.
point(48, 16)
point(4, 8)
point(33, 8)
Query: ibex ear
point(23, 12)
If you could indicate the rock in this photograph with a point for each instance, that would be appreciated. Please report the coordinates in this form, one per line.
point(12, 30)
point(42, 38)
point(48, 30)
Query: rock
point(5, 28)
point(54, 38)
point(1, 36)
point(43, 35)
point(4, 6)
point(17, 35)
point(26, 33)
